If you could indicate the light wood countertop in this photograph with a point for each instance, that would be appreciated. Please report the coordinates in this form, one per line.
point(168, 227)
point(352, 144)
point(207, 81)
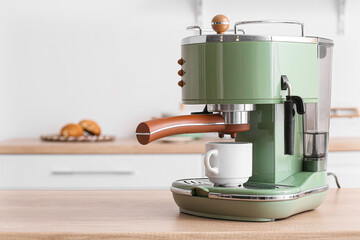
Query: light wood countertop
point(131, 146)
point(119, 146)
point(80, 215)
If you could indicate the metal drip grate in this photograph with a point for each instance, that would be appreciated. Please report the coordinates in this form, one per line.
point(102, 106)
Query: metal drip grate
point(197, 182)
point(204, 182)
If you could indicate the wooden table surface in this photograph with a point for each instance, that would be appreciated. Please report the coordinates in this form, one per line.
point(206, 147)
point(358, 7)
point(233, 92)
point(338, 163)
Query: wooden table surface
point(80, 215)
point(131, 146)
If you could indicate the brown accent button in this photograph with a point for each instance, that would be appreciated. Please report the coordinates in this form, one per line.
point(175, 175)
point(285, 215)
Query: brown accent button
point(181, 72)
point(181, 61)
point(181, 83)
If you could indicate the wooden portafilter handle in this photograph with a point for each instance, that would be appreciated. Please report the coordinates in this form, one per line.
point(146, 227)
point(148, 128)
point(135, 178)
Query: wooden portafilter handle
point(152, 130)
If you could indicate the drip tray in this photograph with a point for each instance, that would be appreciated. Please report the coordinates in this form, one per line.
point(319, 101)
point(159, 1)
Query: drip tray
point(250, 191)
point(250, 202)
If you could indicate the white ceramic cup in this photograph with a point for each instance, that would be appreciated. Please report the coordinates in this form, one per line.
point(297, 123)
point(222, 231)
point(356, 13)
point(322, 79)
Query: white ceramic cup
point(228, 164)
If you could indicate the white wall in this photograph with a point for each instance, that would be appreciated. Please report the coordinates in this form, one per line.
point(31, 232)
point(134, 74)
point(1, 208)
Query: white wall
point(115, 61)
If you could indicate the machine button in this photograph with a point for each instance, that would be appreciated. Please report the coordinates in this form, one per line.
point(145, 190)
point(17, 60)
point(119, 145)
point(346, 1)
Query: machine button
point(181, 61)
point(181, 72)
point(181, 83)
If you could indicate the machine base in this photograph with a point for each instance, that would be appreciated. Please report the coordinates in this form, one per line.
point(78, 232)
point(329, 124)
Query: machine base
point(245, 219)
point(252, 202)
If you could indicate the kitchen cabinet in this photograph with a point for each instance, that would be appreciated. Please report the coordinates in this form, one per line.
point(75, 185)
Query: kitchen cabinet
point(128, 171)
point(125, 164)
point(121, 164)
point(96, 171)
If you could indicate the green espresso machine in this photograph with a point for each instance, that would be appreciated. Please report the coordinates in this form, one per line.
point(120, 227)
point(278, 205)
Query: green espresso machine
point(271, 91)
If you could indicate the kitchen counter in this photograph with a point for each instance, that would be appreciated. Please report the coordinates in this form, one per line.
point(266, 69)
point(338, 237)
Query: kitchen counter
point(131, 146)
point(119, 146)
point(153, 214)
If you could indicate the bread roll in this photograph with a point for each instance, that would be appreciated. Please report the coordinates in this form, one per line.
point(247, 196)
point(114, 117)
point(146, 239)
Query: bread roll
point(91, 127)
point(72, 130)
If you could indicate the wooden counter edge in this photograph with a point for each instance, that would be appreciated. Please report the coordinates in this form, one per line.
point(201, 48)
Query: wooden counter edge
point(131, 146)
point(120, 146)
point(132, 150)
point(187, 235)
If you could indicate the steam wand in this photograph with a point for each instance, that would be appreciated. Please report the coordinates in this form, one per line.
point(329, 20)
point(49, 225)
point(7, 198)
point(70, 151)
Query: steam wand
point(289, 115)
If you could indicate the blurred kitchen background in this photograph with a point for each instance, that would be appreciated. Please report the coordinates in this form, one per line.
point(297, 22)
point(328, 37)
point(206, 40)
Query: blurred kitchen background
point(115, 61)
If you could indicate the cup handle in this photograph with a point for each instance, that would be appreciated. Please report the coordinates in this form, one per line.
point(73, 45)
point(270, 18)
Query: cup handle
point(208, 154)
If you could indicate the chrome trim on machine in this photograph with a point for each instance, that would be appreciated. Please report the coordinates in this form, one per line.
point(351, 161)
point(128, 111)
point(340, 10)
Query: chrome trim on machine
point(181, 191)
point(272, 21)
point(236, 117)
point(216, 23)
point(267, 197)
point(251, 38)
point(233, 113)
point(201, 30)
point(231, 107)
point(195, 28)
point(324, 41)
point(258, 198)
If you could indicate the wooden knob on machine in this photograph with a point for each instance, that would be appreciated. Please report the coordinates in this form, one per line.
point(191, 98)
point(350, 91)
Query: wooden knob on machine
point(181, 83)
point(220, 23)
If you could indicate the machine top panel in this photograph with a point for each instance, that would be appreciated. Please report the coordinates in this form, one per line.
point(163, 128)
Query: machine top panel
point(215, 38)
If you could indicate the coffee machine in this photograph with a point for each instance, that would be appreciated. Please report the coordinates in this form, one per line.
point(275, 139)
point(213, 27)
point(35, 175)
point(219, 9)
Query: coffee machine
point(271, 91)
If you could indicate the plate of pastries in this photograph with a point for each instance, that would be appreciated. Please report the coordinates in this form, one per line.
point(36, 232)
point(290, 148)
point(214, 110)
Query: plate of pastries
point(84, 131)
